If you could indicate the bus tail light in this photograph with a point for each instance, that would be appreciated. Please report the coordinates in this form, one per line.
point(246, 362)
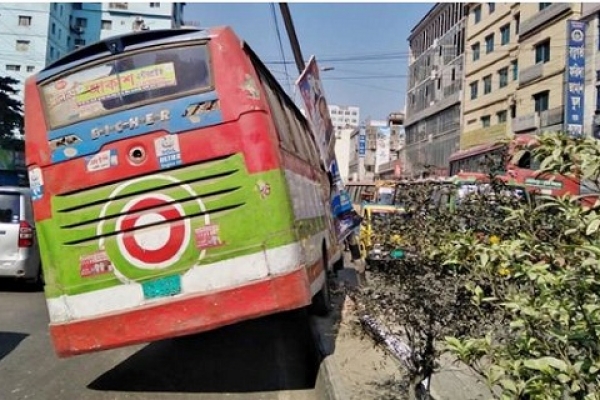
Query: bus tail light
point(25, 234)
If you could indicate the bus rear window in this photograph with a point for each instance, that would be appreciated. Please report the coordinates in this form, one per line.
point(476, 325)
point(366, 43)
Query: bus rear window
point(124, 82)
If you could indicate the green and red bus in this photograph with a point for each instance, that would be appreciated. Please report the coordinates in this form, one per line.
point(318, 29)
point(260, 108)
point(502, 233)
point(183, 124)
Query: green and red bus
point(177, 189)
point(522, 171)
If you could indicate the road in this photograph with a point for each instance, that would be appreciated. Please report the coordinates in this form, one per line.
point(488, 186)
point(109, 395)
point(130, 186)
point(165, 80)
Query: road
point(269, 358)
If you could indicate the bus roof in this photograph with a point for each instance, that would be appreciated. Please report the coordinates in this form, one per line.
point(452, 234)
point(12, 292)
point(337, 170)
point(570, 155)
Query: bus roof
point(484, 148)
point(116, 44)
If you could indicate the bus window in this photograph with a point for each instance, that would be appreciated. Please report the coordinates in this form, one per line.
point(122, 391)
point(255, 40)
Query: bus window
point(125, 82)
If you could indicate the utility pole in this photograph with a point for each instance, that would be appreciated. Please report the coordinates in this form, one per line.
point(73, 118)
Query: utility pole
point(291, 31)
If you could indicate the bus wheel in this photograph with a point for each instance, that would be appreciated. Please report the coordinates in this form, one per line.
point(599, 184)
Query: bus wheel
point(339, 264)
point(321, 302)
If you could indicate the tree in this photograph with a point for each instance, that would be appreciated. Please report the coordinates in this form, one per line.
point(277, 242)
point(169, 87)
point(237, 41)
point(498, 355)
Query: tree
point(11, 109)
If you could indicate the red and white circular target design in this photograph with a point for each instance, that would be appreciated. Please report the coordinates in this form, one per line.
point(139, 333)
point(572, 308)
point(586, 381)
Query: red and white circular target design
point(147, 241)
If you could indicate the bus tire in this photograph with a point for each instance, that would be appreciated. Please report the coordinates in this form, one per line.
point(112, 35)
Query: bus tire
point(321, 302)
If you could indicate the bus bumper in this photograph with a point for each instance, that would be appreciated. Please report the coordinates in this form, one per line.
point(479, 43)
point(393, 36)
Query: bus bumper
point(183, 316)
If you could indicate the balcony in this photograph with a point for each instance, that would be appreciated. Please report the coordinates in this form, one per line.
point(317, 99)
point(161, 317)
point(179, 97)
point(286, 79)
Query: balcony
point(553, 116)
point(452, 88)
point(531, 73)
point(542, 17)
point(523, 123)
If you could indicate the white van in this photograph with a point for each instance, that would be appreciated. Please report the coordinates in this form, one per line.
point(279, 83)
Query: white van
point(19, 251)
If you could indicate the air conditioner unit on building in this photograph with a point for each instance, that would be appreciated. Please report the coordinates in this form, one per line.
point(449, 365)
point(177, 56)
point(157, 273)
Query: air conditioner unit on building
point(436, 42)
point(511, 100)
point(434, 74)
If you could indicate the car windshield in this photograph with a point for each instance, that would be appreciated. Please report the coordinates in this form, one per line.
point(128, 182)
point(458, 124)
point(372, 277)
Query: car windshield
point(9, 207)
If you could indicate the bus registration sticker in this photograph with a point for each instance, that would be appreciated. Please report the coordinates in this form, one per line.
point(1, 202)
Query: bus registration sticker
point(103, 160)
point(94, 264)
point(168, 151)
point(207, 237)
point(36, 183)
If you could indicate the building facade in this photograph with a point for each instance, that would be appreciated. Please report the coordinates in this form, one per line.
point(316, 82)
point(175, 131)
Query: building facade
point(433, 102)
point(36, 34)
point(516, 70)
point(376, 149)
point(491, 72)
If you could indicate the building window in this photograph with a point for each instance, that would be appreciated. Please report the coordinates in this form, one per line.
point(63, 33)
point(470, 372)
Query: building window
point(513, 111)
point(81, 22)
point(487, 84)
point(30, 68)
point(59, 33)
point(13, 67)
point(504, 34)
point(514, 66)
point(544, 5)
point(517, 23)
point(22, 45)
point(542, 52)
point(489, 43)
point(541, 100)
point(597, 98)
point(53, 30)
point(51, 52)
point(24, 20)
point(473, 87)
point(76, 6)
point(119, 6)
point(501, 116)
point(491, 7)
point(503, 77)
point(477, 14)
point(476, 51)
point(154, 5)
point(79, 43)
point(106, 25)
point(485, 121)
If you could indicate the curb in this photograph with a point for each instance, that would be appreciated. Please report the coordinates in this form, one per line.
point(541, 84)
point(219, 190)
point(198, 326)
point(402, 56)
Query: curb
point(327, 385)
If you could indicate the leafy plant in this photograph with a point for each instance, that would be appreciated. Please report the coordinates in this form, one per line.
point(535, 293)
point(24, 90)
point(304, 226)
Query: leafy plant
point(543, 282)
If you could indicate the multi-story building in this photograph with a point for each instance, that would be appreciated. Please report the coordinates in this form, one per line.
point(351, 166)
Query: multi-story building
point(344, 117)
point(518, 72)
point(343, 141)
point(491, 72)
point(35, 34)
point(540, 100)
point(433, 102)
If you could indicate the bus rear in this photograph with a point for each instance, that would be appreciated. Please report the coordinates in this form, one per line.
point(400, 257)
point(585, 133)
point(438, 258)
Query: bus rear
point(161, 201)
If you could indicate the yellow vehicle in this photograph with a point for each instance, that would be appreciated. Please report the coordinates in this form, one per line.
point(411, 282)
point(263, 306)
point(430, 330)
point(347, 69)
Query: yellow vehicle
point(374, 229)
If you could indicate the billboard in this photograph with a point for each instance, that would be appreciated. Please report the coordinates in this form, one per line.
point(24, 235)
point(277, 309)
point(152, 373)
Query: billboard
point(575, 78)
point(362, 143)
point(317, 113)
point(317, 110)
point(382, 153)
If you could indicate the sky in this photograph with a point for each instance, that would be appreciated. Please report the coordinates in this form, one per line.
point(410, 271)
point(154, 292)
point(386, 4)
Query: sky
point(361, 48)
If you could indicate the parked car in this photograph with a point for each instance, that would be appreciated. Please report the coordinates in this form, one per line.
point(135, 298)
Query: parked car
point(19, 251)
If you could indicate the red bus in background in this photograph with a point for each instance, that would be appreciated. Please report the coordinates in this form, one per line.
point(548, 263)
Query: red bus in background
point(522, 171)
